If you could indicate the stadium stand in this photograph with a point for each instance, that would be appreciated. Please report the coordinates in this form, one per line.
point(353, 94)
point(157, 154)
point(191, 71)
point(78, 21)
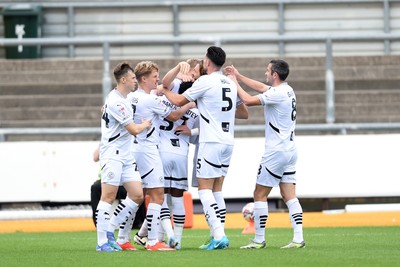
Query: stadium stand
point(68, 93)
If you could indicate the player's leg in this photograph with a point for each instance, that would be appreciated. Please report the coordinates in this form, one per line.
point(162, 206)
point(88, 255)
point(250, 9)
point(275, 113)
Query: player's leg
point(95, 194)
point(209, 167)
point(151, 171)
point(125, 213)
point(178, 185)
point(109, 188)
point(268, 176)
point(288, 191)
point(260, 217)
point(165, 218)
point(210, 206)
point(221, 206)
point(226, 155)
point(103, 212)
point(178, 210)
point(153, 219)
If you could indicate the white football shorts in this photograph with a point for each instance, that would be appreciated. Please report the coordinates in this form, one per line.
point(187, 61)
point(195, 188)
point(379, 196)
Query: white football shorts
point(277, 167)
point(175, 170)
point(150, 166)
point(116, 173)
point(213, 160)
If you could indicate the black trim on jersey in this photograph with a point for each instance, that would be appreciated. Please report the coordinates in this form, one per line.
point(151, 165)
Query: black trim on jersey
point(175, 179)
point(204, 118)
point(289, 173)
point(273, 174)
point(150, 133)
point(103, 166)
point(114, 137)
point(144, 176)
point(175, 142)
point(212, 164)
point(273, 127)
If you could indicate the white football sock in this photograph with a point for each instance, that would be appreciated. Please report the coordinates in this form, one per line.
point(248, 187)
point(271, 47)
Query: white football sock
point(125, 227)
point(165, 218)
point(211, 211)
point(219, 198)
point(102, 218)
point(260, 220)
point(296, 218)
point(178, 207)
point(153, 222)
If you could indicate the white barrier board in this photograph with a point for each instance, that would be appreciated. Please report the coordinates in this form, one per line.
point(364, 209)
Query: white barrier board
point(328, 166)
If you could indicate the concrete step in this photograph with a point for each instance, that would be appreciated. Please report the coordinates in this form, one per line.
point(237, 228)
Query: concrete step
point(57, 77)
point(48, 123)
point(352, 96)
point(56, 65)
point(53, 137)
point(68, 93)
point(58, 100)
point(73, 88)
point(53, 113)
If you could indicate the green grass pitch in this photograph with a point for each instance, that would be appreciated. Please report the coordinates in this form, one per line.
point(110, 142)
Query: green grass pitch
point(342, 246)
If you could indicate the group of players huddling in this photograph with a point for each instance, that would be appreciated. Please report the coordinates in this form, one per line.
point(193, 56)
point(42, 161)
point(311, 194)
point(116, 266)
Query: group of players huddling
point(146, 130)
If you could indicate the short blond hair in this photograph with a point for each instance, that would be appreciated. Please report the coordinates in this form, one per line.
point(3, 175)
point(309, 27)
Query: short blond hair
point(144, 68)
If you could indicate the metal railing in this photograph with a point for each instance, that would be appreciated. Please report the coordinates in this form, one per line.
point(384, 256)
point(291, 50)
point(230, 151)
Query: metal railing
point(338, 128)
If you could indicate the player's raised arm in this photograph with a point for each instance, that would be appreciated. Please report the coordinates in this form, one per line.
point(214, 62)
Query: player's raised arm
point(253, 84)
point(242, 112)
point(248, 99)
point(182, 68)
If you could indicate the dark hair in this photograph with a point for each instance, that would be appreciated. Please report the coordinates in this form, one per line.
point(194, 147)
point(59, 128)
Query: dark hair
point(121, 70)
point(216, 55)
point(281, 67)
point(184, 86)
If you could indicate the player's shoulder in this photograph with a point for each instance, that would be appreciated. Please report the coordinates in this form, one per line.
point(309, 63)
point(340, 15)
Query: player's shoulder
point(114, 98)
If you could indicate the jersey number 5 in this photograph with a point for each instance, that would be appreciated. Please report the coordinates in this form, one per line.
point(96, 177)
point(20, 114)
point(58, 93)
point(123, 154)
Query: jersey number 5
point(226, 98)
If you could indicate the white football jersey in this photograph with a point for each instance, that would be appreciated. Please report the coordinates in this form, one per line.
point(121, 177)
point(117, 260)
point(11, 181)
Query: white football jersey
point(280, 117)
point(152, 108)
point(170, 141)
point(216, 97)
point(116, 141)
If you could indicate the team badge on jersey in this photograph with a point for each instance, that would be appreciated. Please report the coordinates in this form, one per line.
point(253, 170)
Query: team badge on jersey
point(121, 110)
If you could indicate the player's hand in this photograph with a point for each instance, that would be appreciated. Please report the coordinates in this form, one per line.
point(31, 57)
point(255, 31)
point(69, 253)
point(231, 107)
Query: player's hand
point(146, 123)
point(184, 67)
point(231, 70)
point(183, 129)
point(185, 77)
point(160, 90)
